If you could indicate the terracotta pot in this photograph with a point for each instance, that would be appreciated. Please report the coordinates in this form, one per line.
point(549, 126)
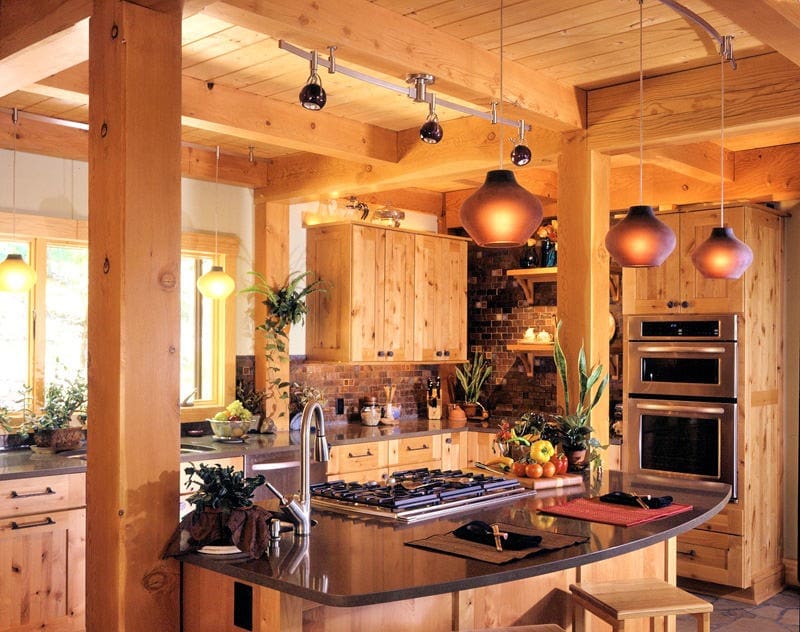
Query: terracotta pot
point(576, 458)
point(59, 438)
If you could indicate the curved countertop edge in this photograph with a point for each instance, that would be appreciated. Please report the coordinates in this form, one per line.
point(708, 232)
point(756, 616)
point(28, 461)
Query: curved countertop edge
point(651, 533)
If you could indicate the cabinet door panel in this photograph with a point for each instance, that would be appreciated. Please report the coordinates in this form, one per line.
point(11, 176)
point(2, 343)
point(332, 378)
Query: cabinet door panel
point(366, 316)
point(42, 571)
point(426, 294)
point(398, 299)
point(454, 300)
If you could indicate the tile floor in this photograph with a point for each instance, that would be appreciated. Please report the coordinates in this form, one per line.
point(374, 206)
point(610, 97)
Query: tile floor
point(779, 614)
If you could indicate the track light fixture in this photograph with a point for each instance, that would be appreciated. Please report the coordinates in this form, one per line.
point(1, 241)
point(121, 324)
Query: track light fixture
point(312, 96)
point(521, 154)
point(431, 131)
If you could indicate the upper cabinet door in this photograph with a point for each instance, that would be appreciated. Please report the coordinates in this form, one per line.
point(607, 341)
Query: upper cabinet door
point(398, 297)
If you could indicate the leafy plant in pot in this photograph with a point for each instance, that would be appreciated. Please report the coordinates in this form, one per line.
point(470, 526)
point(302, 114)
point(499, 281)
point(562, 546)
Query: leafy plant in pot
point(286, 306)
point(253, 399)
point(574, 428)
point(471, 377)
point(224, 514)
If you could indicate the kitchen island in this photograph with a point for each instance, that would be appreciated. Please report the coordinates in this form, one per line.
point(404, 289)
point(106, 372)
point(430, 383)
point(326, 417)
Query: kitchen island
point(359, 574)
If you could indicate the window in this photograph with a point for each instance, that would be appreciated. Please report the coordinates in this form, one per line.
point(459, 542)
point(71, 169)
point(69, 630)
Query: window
point(49, 337)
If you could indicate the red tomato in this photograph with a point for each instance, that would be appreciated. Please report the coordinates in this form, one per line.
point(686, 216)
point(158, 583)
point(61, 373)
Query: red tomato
point(518, 469)
point(533, 470)
point(548, 469)
point(561, 463)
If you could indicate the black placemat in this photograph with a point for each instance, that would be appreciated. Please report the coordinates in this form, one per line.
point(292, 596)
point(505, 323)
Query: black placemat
point(452, 545)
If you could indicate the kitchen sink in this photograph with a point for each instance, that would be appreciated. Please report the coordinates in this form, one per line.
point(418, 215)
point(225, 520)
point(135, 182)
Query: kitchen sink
point(190, 448)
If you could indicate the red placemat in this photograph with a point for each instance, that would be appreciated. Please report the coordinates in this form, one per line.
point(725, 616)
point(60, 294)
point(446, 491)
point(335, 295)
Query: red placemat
point(608, 513)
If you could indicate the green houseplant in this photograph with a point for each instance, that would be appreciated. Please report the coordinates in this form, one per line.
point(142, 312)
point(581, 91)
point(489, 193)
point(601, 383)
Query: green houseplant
point(574, 428)
point(286, 306)
point(471, 377)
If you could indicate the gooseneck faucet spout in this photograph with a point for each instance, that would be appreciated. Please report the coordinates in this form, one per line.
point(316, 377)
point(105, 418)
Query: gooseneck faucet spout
point(299, 507)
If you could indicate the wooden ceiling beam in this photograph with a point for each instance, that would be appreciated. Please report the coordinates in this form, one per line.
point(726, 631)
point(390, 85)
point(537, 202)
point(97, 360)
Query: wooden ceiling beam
point(679, 108)
point(774, 22)
point(375, 37)
point(38, 137)
point(468, 150)
point(767, 174)
point(700, 161)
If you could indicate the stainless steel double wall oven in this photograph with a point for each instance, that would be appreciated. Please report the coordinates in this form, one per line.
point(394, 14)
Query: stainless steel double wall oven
point(681, 380)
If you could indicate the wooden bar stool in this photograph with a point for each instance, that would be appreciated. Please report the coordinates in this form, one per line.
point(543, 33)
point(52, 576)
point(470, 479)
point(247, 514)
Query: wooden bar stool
point(617, 601)
point(542, 627)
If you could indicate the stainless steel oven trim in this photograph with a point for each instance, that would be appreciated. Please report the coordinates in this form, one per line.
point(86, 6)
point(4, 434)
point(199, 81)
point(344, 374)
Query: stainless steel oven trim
point(728, 326)
point(729, 443)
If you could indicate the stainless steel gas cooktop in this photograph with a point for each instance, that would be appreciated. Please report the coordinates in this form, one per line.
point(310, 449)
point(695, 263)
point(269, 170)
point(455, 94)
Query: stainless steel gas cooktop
point(414, 495)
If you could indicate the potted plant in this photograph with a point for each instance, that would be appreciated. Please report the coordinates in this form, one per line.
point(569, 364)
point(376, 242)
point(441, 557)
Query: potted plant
point(574, 428)
point(252, 399)
point(471, 377)
point(301, 395)
point(286, 306)
point(224, 514)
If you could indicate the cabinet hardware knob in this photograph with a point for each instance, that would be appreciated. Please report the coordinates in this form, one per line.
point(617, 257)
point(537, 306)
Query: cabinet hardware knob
point(28, 525)
point(47, 491)
point(446, 354)
point(439, 354)
point(671, 304)
point(381, 354)
point(684, 304)
point(390, 354)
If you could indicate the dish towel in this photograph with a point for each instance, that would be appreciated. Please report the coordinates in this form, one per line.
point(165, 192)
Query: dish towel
point(451, 544)
point(595, 511)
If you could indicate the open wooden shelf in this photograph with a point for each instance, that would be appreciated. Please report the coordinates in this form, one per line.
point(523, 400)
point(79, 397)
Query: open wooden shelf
point(527, 352)
point(529, 277)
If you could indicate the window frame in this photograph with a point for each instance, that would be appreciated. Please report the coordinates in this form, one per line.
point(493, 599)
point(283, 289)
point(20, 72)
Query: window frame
point(39, 231)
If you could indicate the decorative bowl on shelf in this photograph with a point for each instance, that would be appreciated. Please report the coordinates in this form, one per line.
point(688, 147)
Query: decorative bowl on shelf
point(230, 429)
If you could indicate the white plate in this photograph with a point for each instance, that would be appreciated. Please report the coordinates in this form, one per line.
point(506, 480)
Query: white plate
point(228, 549)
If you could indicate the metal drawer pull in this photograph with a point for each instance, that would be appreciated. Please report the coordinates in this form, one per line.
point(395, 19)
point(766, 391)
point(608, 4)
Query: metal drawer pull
point(424, 446)
point(683, 349)
point(46, 492)
point(689, 553)
point(350, 455)
point(27, 525)
point(708, 410)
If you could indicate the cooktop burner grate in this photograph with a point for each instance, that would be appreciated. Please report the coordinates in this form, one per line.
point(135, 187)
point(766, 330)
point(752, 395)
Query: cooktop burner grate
point(418, 494)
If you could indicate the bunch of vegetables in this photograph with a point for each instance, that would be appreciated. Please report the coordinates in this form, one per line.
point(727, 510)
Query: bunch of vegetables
point(537, 433)
point(234, 411)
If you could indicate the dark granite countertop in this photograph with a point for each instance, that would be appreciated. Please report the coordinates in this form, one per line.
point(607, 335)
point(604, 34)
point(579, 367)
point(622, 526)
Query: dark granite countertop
point(352, 561)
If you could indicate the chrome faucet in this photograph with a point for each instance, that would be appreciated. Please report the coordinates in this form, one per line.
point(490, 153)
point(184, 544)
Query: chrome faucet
point(298, 508)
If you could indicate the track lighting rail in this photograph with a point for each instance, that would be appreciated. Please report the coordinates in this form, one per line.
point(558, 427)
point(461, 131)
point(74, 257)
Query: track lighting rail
point(723, 41)
point(411, 91)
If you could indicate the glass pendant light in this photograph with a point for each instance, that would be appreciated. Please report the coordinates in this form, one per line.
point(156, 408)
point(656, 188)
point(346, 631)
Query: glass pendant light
point(216, 283)
point(15, 274)
point(722, 255)
point(501, 214)
point(640, 240)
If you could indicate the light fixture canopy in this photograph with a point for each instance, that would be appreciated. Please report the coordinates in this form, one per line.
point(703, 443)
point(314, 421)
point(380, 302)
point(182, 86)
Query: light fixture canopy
point(216, 283)
point(16, 275)
point(312, 95)
point(722, 255)
point(640, 240)
point(501, 214)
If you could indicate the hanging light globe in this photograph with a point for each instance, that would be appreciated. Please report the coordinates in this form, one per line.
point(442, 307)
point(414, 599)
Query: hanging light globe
point(722, 255)
point(16, 275)
point(501, 214)
point(215, 283)
point(640, 240)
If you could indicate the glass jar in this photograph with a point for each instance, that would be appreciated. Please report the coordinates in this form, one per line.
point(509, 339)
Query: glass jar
point(371, 412)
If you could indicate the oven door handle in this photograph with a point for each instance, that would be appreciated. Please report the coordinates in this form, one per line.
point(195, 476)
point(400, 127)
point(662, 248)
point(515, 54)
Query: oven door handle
point(681, 349)
point(708, 410)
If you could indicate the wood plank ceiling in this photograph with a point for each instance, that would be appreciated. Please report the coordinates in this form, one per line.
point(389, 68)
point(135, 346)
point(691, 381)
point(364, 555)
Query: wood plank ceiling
point(555, 52)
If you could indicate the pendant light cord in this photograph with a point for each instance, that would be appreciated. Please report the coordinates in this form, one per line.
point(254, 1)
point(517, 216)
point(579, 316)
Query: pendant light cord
point(14, 119)
point(501, 82)
point(722, 142)
point(641, 102)
point(216, 207)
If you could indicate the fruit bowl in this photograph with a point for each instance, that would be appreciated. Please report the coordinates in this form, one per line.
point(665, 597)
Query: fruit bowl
point(230, 429)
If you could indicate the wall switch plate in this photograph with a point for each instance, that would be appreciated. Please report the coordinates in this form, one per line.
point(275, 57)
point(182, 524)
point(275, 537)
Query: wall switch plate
point(340, 406)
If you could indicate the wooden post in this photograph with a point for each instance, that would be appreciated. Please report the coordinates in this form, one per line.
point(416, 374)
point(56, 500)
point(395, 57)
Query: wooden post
point(134, 316)
point(583, 219)
point(271, 253)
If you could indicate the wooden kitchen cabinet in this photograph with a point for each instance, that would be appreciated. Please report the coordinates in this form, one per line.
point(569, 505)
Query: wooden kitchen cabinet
point(440, 291)
point(392, 295)
point(42, 546)
point(676, 286)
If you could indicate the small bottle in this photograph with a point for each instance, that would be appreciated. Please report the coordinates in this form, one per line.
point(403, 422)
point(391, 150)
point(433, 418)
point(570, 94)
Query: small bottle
point(371, 412)
point(434, 399)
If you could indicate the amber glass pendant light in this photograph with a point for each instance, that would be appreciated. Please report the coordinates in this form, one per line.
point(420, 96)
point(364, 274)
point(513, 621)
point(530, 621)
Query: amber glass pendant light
point(15, 274)
point(722, 255)
point(216, 283)
point(501, 214)
point(640, 240)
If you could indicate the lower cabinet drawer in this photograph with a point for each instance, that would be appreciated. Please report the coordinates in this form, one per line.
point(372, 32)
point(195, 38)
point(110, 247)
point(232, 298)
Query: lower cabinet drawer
point(357, 457)
point(711, 556)
point(378, 475)
point(23, 496)
point(416, 451)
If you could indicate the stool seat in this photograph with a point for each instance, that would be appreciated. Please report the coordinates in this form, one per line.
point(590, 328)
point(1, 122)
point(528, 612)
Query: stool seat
point(542, 627)
point(617, 601)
